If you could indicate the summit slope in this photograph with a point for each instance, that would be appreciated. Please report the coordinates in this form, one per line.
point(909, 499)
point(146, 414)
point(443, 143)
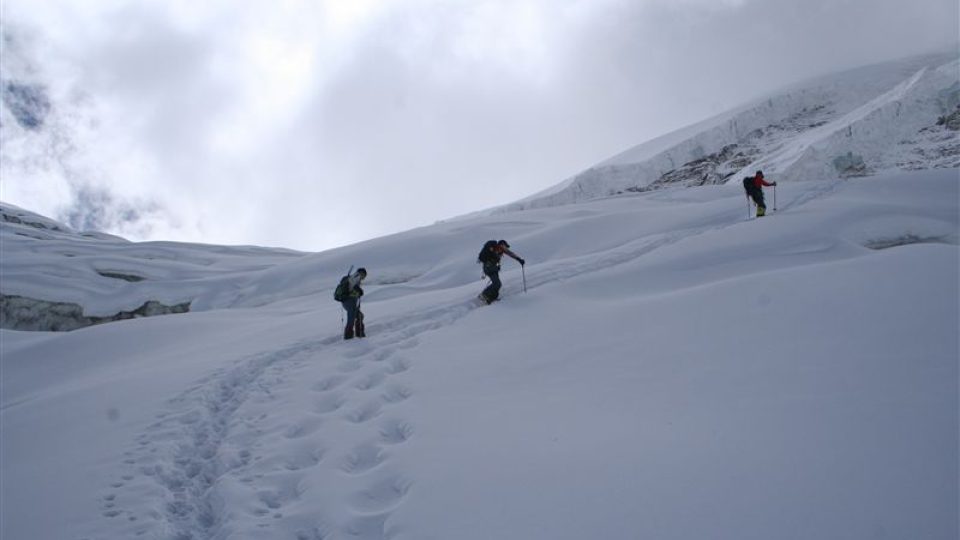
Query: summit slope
point(900, 115)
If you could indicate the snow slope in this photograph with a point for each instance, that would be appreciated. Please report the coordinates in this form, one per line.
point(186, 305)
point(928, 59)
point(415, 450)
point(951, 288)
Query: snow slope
point(674, 370)
point(890, 116)
point(901, 115)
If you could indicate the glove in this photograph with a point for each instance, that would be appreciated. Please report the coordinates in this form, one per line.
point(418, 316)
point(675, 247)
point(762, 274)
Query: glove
point(359, 291)
point(774, 183)
point(522, 262)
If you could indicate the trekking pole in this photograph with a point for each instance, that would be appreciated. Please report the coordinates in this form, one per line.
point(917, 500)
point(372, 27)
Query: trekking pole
point(748, 206)
point(774, 197)
point(523, 273)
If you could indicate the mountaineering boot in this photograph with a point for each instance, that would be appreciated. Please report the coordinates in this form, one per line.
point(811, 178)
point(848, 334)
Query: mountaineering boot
point(358, 325)
point(486, 299)
point(761, 211)
point(348, 333)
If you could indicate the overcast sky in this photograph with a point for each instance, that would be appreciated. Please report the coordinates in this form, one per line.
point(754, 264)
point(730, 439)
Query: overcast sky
point(313, 124)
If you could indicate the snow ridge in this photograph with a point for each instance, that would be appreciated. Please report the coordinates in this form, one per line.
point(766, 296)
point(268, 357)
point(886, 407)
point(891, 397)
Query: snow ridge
point(858, 123)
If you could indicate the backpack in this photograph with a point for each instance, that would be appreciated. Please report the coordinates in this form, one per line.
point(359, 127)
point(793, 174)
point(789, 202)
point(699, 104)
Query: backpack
point(343, 289)
point(749, 184)
point(485, 256)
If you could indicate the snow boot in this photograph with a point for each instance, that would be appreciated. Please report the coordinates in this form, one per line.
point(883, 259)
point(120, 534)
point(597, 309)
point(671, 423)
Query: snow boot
point(348, 333)
point(761, 211)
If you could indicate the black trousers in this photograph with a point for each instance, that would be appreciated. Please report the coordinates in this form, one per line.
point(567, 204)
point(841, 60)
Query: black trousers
point(350, 304)
point(757, 195)
point(492, 292)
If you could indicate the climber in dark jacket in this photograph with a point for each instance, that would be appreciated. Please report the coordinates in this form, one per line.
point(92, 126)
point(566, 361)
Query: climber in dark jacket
point(754, 186)
point(351, 303)
point(490, 256)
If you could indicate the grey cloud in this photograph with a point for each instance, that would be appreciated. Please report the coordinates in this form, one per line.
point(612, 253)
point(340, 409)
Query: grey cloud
point(407, 133)
point(158, 80)
point(406, 127)
point(28, 103)
point(48, 145)
point(97, 209)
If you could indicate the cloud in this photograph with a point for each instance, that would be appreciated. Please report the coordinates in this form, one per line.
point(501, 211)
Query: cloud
point(96, 209)
point(314, 124)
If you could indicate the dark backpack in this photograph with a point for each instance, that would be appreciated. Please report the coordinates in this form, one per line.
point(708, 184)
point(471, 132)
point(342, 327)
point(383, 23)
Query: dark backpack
point(749, 184)
point(343, 289)
point(485, 255)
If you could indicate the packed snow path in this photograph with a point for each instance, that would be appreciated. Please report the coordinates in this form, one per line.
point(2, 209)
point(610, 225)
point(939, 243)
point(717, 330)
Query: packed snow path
point(213, 459)
point(231, 455)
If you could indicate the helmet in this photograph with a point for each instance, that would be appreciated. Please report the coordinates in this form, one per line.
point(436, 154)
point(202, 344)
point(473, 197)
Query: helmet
point(760, 173)
point(362, 270)
point(503, 243)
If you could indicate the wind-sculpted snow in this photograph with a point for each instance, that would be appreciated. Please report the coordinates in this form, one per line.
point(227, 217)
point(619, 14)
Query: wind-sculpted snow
point(887, 117)
point(670, 358)
point(55, 278)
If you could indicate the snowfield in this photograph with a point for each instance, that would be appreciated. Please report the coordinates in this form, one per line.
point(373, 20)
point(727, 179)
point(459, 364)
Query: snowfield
point(674, 370)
